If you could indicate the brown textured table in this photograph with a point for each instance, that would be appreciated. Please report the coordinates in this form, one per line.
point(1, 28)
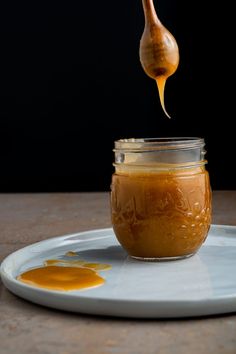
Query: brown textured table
point(28, 328)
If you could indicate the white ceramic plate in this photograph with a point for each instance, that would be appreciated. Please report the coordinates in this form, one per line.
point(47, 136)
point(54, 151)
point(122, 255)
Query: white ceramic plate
point(201, 285)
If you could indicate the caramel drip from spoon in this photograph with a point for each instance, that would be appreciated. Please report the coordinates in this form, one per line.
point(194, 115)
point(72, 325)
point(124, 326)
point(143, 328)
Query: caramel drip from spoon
point(161, 81)
point(159, 53)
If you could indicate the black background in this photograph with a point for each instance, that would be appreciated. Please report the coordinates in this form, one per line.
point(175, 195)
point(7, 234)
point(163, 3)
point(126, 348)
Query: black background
point(71, 83)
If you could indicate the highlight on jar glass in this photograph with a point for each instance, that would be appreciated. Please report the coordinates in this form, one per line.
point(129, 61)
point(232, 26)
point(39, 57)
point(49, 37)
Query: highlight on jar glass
point(160, 197)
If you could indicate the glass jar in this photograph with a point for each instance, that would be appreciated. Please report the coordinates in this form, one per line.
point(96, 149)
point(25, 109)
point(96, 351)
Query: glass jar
point(160, 197)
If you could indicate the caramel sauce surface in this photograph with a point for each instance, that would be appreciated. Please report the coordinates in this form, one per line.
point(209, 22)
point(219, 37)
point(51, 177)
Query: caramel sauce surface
point(65, 275)
point(157, 215)
point(71, 254)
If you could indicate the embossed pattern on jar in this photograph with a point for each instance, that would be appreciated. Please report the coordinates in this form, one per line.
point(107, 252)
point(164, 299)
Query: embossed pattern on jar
point(161, 213)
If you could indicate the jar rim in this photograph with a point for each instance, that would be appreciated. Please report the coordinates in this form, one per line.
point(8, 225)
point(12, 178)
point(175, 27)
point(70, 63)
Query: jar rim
point(165, 143)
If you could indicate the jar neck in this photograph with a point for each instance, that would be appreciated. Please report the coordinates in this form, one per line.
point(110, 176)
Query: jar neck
point(160, 153)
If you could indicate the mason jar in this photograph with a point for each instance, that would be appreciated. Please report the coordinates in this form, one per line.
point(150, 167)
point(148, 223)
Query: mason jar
point(160, 197)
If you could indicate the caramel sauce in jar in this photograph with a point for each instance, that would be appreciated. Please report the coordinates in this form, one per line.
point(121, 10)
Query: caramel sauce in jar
point(160, 197)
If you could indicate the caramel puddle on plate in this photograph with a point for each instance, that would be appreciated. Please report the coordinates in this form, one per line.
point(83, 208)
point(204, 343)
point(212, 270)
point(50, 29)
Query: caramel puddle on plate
point(65, 275)
point(77, 263)
point(71, 254)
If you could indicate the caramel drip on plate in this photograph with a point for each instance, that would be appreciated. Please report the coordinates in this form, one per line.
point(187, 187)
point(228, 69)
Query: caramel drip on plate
point(65, 275)
point(71, 254)
point(77, 263)
point(63, 262)
point(97, 266)
point(61, 278)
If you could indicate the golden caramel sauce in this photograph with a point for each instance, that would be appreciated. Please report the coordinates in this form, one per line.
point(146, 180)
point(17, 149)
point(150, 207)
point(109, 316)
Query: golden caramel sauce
point(63, 263)
point(61, 278)
point(77, 263)
point(161, 214)
point(65, 275)
point(97, 266)
point(161, 81)
point(159, 53)
point(71, 254)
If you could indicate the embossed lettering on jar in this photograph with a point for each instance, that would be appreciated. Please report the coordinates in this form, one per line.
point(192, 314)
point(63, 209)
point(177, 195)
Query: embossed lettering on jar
point(160, 197)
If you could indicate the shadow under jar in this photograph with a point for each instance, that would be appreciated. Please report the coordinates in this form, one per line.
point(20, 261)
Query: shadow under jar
point(160, 197)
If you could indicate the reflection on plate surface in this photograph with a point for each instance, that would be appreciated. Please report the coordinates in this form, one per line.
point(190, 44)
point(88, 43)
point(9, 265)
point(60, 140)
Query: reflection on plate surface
point(201, 285)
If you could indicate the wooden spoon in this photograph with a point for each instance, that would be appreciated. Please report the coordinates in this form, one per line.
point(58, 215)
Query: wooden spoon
point(159, 53)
